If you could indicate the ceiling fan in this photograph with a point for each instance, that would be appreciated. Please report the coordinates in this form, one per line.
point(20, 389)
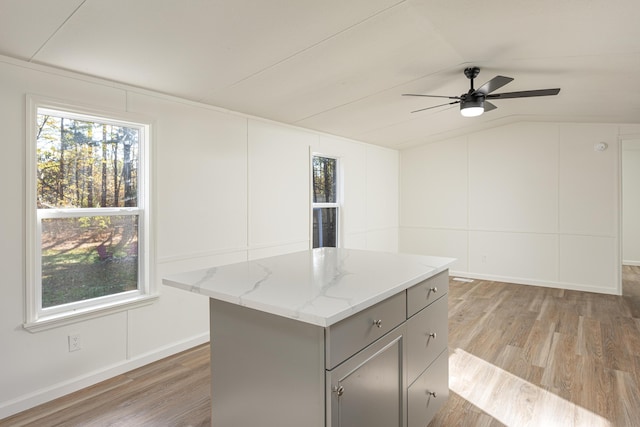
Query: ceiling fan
point(475, 101)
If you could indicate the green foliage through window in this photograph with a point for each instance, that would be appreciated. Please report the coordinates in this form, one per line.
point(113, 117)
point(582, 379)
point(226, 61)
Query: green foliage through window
point(87, 178)
point(83, 164)
point(325, 202)
point(324, 180)
point(88, 257)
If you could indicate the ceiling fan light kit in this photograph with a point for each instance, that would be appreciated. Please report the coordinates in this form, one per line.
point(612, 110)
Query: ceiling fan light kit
point(473, 107)
point(471, 111)
point(474, 102)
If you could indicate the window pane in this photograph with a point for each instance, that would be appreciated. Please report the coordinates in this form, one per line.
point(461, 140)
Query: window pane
point(325, 227)
point(84, 164)
point(324, 180)
point(88, 257)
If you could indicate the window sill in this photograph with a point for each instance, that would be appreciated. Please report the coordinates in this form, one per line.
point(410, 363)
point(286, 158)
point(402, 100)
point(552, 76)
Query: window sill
point(68, 318)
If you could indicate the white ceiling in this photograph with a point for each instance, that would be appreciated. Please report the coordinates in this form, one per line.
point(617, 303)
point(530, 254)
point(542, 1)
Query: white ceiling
point(340, 66)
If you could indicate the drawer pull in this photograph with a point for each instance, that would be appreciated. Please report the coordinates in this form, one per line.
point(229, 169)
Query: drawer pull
point(432, 335)
point(338, 390)
point(378, 323)
point(432, 394)
point(434, 289)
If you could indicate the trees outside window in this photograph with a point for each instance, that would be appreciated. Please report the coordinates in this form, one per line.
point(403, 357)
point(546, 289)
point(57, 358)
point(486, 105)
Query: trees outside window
point(325, 201)
point(89, 240)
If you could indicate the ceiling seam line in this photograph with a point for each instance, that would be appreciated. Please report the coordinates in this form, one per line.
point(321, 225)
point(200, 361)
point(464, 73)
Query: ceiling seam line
point(371, 95)
point(32, 57)
point(316, 44)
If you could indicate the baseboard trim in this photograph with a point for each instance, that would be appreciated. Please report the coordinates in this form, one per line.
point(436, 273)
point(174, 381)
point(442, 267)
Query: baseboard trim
point(48, 394)
point(632, 263)
point(543, 283)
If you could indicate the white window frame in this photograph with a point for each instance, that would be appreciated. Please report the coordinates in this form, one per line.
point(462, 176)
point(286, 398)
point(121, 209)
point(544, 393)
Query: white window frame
point(38, 318)
point(336, 205)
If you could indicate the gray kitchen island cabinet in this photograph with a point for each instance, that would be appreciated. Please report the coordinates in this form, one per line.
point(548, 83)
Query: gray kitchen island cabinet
point(326, 338)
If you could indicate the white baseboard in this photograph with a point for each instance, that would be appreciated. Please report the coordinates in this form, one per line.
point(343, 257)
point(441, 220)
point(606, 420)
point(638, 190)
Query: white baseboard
point(39, 397)
point(630, 262)
point(543, 283)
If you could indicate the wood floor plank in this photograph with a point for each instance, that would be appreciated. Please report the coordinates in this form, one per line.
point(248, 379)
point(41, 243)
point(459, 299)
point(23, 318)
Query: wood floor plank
point(538, 344)
point(626, 389)
point(615, 354)
point(560, 371)
point(590, 339)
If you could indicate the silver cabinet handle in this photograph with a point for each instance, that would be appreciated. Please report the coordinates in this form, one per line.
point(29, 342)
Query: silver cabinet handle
point(434, 289)
point(378, 323)
point(433, 335)
point(432, 394)
point(339, 390)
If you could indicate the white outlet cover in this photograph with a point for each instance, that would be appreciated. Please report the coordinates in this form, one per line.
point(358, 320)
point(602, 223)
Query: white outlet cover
point(74, 342)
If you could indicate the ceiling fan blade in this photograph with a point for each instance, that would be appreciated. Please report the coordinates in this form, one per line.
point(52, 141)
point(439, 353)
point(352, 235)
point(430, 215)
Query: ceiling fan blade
point(494, 84)
point(524, 94)
point(436, 106)
point(431, 96)
point(489, 106)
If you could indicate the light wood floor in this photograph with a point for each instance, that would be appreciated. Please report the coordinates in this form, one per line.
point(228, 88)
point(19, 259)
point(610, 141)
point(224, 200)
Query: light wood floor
point(531, 356)
point(519, 356)
point(171, 392)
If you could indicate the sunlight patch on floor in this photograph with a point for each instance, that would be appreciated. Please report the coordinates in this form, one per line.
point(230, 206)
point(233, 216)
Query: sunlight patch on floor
point(512, 400)
point(462, 279)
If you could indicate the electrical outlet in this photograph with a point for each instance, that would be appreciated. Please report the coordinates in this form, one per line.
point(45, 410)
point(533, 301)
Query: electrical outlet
point(74, 342)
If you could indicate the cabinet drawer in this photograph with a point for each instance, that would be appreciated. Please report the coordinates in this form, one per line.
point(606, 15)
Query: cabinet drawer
point(427, 335)
point(352, 334)
point(426, 292)
point(429, 392)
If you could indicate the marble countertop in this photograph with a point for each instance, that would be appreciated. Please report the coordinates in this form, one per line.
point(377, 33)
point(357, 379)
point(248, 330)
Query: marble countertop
point(320, 286)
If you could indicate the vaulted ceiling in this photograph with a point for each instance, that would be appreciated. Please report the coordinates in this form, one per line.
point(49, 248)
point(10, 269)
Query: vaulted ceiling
point(340, 66)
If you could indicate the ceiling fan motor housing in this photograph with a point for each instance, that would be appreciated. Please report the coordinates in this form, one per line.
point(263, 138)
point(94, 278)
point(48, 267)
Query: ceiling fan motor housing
point(470, 100)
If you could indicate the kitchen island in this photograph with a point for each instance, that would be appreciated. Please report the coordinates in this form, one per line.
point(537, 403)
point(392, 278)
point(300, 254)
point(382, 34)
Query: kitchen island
point(326, 337)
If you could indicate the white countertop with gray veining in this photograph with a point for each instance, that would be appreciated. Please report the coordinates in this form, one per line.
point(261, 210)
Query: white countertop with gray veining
point(319, 286)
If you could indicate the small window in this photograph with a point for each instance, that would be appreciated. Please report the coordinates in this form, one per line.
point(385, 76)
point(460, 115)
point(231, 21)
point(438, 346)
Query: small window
point(89, 205)
point(325, 202)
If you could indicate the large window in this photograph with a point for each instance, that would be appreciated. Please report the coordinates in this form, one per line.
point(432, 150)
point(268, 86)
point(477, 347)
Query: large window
point(325, 201)
point(88, 243)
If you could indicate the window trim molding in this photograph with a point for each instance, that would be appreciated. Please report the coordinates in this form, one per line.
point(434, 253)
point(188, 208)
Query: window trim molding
point(34, 318)
point(44, 323)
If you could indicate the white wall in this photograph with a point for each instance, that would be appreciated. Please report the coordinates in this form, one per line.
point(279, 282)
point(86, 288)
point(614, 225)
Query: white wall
point(369, 193)
point(529, 203)
point(227, 188)
point(631, 201)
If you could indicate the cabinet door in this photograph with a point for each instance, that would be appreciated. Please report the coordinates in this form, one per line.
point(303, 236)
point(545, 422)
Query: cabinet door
point(369, 388)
